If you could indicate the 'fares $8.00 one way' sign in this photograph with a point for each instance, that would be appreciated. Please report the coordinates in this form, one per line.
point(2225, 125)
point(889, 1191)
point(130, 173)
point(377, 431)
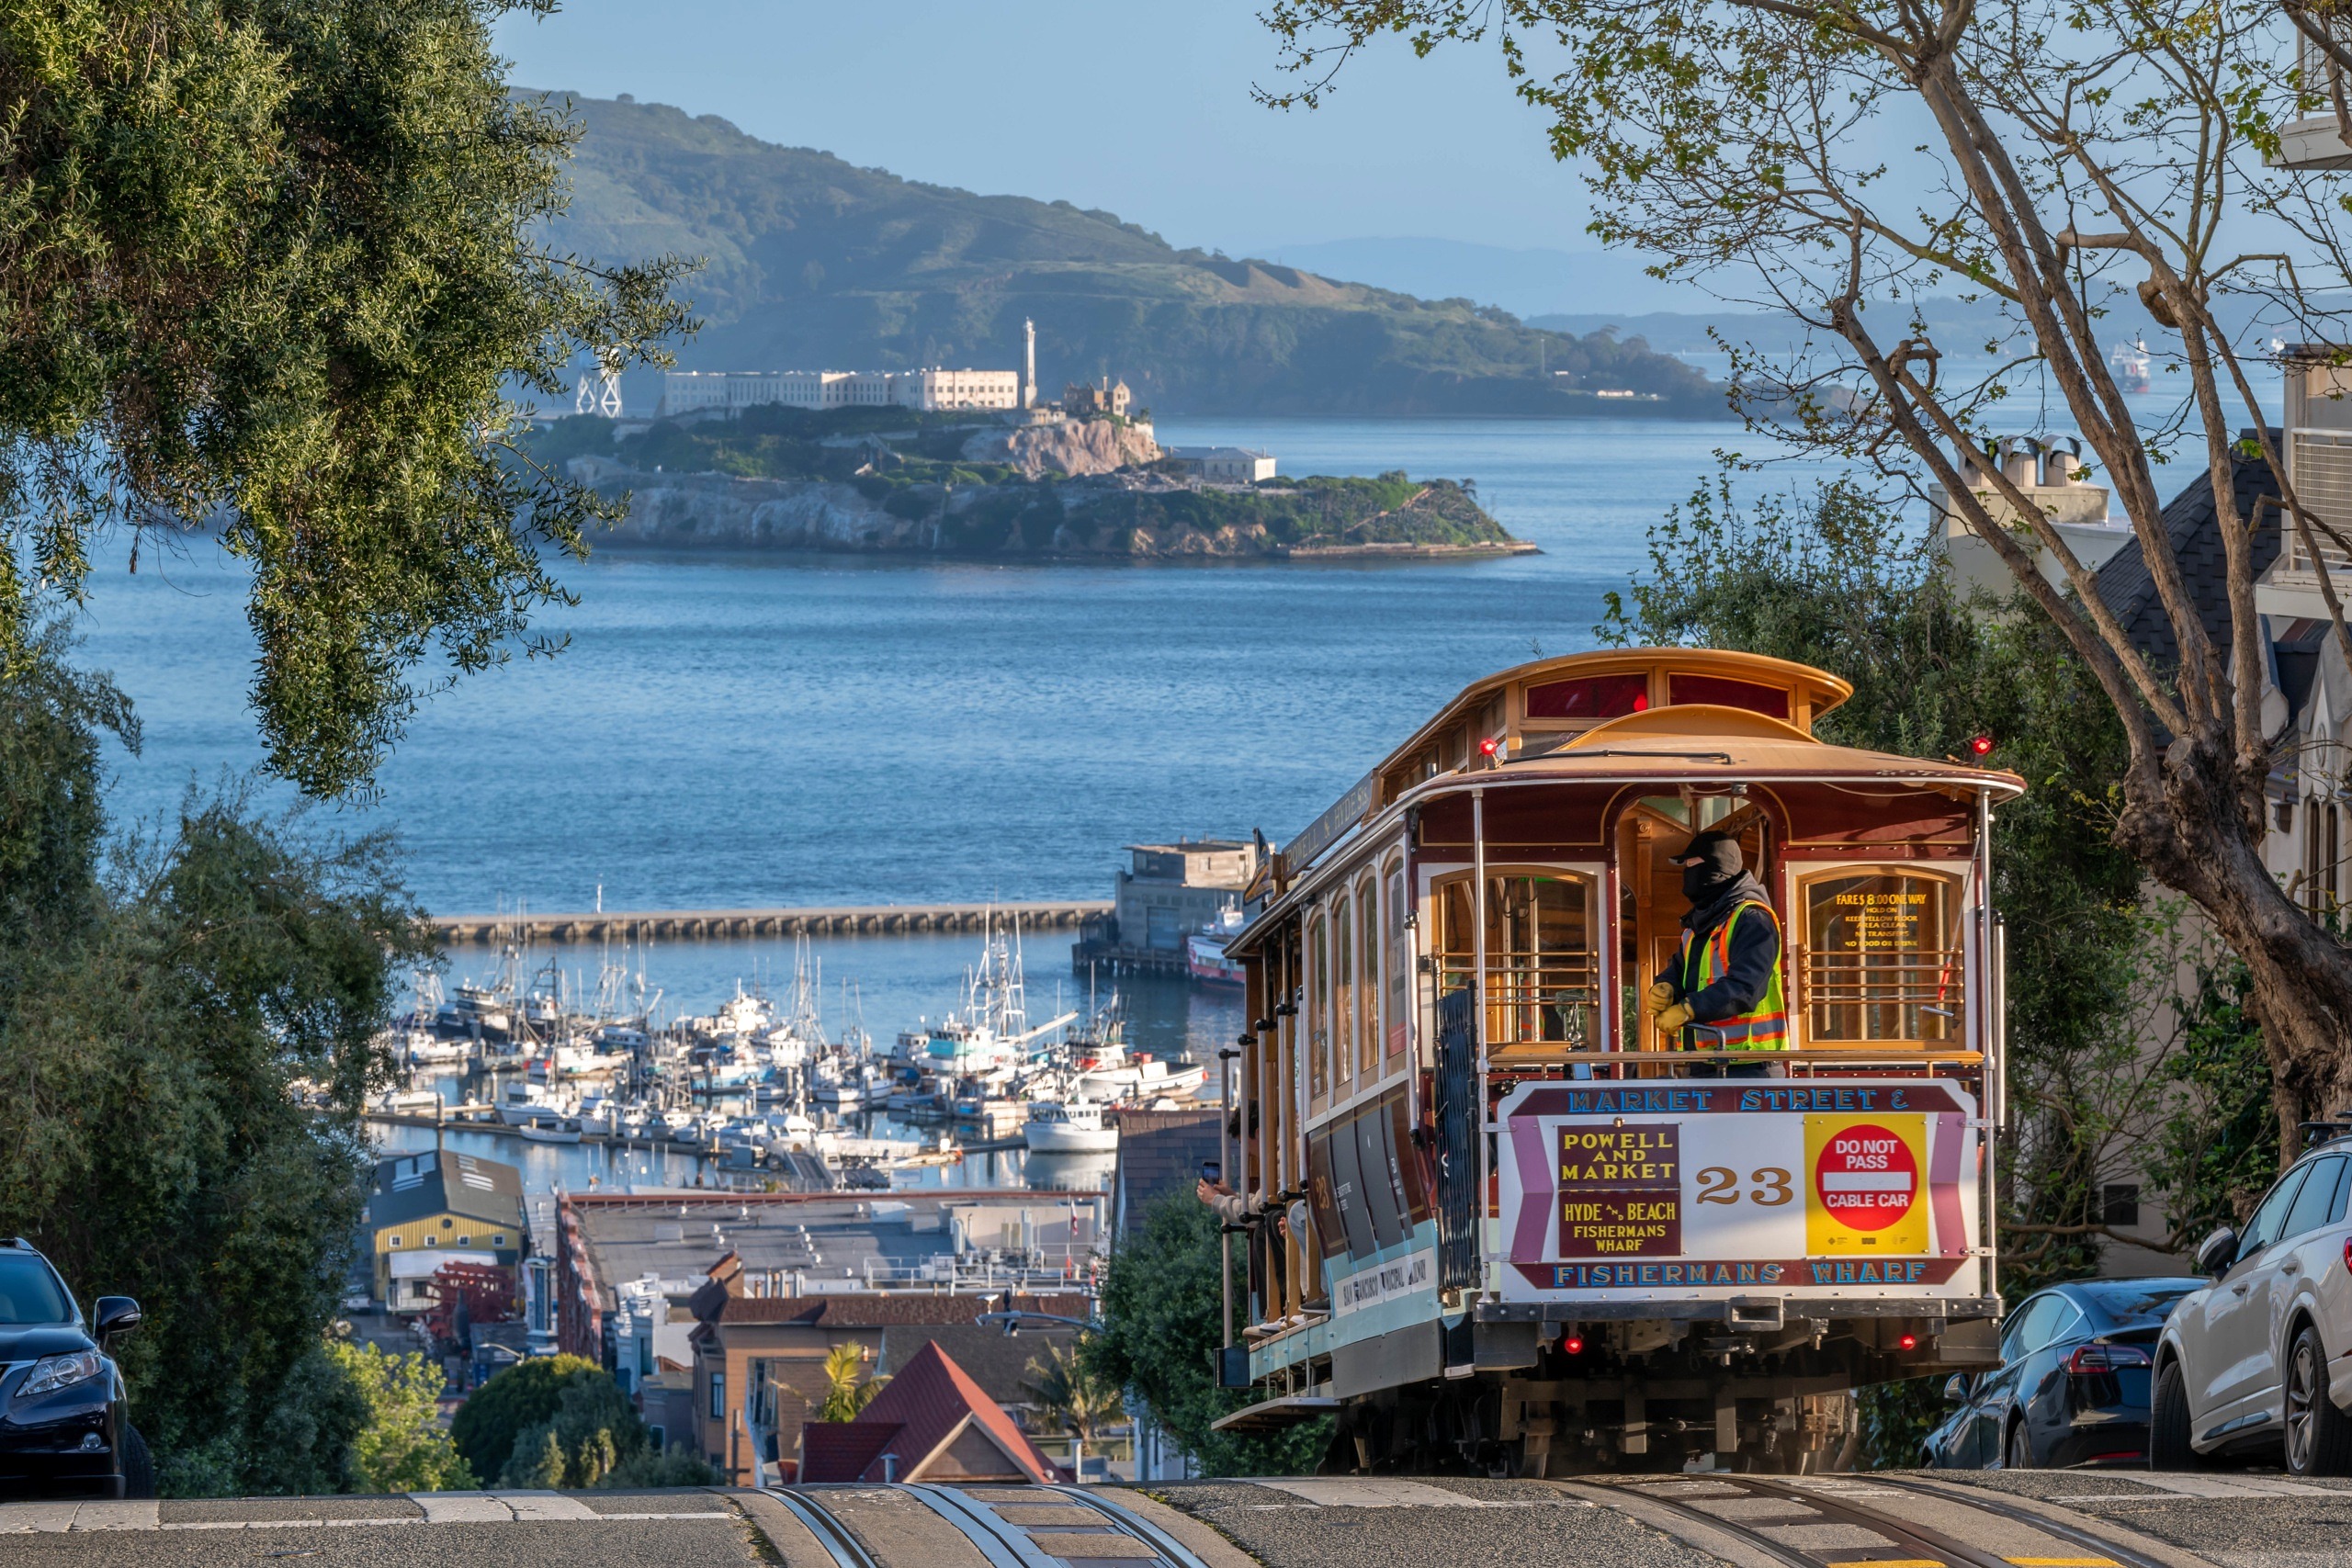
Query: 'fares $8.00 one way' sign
point(1667, 1187)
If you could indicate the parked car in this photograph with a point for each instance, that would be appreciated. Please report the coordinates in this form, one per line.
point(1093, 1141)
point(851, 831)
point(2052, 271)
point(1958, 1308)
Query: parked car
point(2072, 1388)
point(64, 1429)
point(2260, 1358)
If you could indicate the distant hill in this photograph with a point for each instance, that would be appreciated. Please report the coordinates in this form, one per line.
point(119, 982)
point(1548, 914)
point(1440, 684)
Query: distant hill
point(1530, 284)
point(814, 262)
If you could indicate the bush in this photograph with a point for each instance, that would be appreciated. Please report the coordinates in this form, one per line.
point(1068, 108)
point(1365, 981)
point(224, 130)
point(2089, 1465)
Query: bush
point(561, 1421)
point(523, 1395)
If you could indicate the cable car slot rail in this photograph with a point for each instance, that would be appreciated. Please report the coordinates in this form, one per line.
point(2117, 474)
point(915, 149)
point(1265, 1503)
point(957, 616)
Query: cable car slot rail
point(843, 1548)
point(1872, 1536)
point(1025, 1541)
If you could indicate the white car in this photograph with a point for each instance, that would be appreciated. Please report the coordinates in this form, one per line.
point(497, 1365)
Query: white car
point(2262, 1357)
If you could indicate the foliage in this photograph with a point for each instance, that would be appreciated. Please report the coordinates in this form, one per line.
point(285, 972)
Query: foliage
point(814, 261)
point(156, 1008)
point(270, 264)
point(401, 1446)
point(2219, 1151)
point(846, 1395)
point(562, 1421)
point(523, 1395)
point(1162, 1326)
point(1071, 1394)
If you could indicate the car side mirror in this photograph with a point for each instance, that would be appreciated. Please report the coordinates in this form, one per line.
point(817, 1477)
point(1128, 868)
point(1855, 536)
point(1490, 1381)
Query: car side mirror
point(115, 1314)
point(2217, 1252)
point(1956, 1388)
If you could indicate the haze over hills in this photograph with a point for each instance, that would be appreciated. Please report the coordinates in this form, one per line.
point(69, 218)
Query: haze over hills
point(811, 260)
point(1528, 283)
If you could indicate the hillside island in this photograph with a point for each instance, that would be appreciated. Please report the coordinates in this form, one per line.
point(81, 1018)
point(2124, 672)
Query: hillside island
point(965, 482)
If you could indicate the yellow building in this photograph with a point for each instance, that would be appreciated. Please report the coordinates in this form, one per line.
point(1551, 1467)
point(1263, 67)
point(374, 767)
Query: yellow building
point(428, 1210)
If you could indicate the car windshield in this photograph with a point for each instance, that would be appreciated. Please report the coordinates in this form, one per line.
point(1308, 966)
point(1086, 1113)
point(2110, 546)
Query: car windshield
point(29, 1291)
point(2138, 1301)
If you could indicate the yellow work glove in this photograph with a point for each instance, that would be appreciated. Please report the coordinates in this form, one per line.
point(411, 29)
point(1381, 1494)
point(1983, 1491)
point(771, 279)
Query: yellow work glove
point(1674, 1018)
point(1661, 996)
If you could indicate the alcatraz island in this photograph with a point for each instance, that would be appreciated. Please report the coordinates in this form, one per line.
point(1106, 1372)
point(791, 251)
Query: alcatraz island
point(970, 462)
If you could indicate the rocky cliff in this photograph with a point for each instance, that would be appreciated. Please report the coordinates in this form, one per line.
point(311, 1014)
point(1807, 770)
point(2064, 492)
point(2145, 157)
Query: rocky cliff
point(1075, 446)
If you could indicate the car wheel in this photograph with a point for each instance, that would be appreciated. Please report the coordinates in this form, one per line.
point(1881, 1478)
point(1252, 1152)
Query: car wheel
point(2017, 1454)
point(138, 1464)
point(2319, 1436)
point(2169, 1445)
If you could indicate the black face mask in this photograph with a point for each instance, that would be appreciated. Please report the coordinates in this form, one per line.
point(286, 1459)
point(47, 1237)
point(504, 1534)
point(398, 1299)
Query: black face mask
point(1701, 881)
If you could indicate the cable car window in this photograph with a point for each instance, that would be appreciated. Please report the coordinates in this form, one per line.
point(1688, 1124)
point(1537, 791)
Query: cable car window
point(1401, 962)
point(1594, 697)
point(1343, 992)
point(1319, 1016)
point(1542, 970)
point(1368, 979)
point(1882, 957)
point(1723, 691)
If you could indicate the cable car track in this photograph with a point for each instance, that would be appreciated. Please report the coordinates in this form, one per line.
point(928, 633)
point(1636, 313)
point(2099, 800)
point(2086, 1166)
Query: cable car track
point(1901, 1543)
point(1002, 1541)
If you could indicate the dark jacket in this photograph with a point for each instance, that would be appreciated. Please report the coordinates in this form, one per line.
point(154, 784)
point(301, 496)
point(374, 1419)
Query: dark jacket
point(1755, 949)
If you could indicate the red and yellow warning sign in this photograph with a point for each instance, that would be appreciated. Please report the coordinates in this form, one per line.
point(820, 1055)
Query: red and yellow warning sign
point(1867, 1184)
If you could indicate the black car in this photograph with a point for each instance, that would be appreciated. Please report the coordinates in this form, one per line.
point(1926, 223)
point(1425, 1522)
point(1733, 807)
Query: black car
point(63, 1431)
point(2073, 1384)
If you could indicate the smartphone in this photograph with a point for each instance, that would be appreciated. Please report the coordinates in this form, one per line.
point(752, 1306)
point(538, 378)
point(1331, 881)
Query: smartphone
point(1211, 1171)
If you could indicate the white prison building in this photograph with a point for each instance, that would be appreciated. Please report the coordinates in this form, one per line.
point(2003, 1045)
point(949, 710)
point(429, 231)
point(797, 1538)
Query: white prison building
point(685, 391)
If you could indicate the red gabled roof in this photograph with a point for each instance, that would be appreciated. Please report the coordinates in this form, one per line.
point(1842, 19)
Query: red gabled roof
point(924, 1404)
point(840, 1450)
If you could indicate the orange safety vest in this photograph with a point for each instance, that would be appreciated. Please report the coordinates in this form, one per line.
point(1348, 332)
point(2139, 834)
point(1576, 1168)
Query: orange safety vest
point(1765, 1026)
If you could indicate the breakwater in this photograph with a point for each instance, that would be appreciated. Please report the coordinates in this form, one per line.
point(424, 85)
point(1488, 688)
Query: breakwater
point(877, 919)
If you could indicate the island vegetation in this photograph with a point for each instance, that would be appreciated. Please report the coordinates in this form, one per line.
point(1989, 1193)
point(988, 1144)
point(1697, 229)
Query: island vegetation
point(879, 478)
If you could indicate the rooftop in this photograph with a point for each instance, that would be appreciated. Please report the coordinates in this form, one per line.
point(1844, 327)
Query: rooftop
point(414, 1185)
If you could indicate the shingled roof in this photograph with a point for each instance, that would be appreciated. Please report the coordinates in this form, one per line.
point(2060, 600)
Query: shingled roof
point(413, 1187)
point(2192, 524)
point(926, 1408)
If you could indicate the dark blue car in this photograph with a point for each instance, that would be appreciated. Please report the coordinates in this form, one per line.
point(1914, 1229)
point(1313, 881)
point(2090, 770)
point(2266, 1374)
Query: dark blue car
point(2073, 1385)
point(63, 1428)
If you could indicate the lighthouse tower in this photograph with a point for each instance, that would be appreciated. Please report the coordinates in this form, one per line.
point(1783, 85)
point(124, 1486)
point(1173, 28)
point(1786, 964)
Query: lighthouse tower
point(1029, 365)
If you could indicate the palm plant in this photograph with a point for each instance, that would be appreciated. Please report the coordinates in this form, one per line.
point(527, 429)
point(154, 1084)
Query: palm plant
point(846, 1395)
point(1072, 1396)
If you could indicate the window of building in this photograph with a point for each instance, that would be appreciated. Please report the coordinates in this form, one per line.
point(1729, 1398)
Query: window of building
point(392, 1241)
point(2120, 1204)
point(1368, 972)
point(498, 1240)
point(645, 1356)
point(1880, 957)
point(1401, 962)
point(466, 1240)
point(1343, 991)
point(1319, 1014)
point(718, 1396)
point(1542, 963)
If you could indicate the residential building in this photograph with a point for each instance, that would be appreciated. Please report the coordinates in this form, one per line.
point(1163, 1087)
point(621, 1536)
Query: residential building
point(1160, 1153)
point(1221, 465)
point(933, 1423)
point(2051, 476)
point(1108, 401)
point(425, 1211)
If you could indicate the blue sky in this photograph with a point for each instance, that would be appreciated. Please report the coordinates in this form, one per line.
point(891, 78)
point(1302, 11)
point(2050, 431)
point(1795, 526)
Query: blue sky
point(1144, 109)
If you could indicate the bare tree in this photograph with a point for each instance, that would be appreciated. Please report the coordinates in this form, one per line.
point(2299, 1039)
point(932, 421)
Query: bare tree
point(1840, 162)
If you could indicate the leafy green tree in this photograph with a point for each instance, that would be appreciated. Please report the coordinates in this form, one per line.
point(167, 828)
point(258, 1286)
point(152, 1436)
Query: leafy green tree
point(159, 998)
point(845, 1394)
point(402, 1447)
point(1071, 1394)
point(1161, 1327)
point(524, 1396)
point(270, 265)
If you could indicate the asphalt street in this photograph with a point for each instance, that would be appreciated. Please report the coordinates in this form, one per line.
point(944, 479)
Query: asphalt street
point(2013, 1519)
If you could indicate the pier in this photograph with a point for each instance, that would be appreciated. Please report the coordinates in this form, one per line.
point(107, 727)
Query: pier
point(877, 919)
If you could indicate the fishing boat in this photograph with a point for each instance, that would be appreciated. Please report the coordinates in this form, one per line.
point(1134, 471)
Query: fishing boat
point(1076, 1127)
point(1143, 1076)
point(554, 1129)
point(522, 1104)
point(1205, 957)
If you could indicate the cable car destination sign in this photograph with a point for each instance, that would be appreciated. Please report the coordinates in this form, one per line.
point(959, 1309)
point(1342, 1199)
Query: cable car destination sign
point(1680, 1188)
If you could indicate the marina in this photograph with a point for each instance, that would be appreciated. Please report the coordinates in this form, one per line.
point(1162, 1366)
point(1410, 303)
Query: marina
point(878, 920)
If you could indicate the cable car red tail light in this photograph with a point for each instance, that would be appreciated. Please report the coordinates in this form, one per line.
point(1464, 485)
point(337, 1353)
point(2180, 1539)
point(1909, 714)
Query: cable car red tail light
point(1573, 1345)
point(2105, 1359)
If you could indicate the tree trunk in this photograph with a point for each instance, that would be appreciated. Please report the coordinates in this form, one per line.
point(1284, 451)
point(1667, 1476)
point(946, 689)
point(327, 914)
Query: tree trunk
point(2193, 832)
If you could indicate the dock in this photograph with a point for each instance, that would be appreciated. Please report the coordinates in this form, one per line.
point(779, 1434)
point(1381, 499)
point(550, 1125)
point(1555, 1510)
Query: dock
point(872, 920)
